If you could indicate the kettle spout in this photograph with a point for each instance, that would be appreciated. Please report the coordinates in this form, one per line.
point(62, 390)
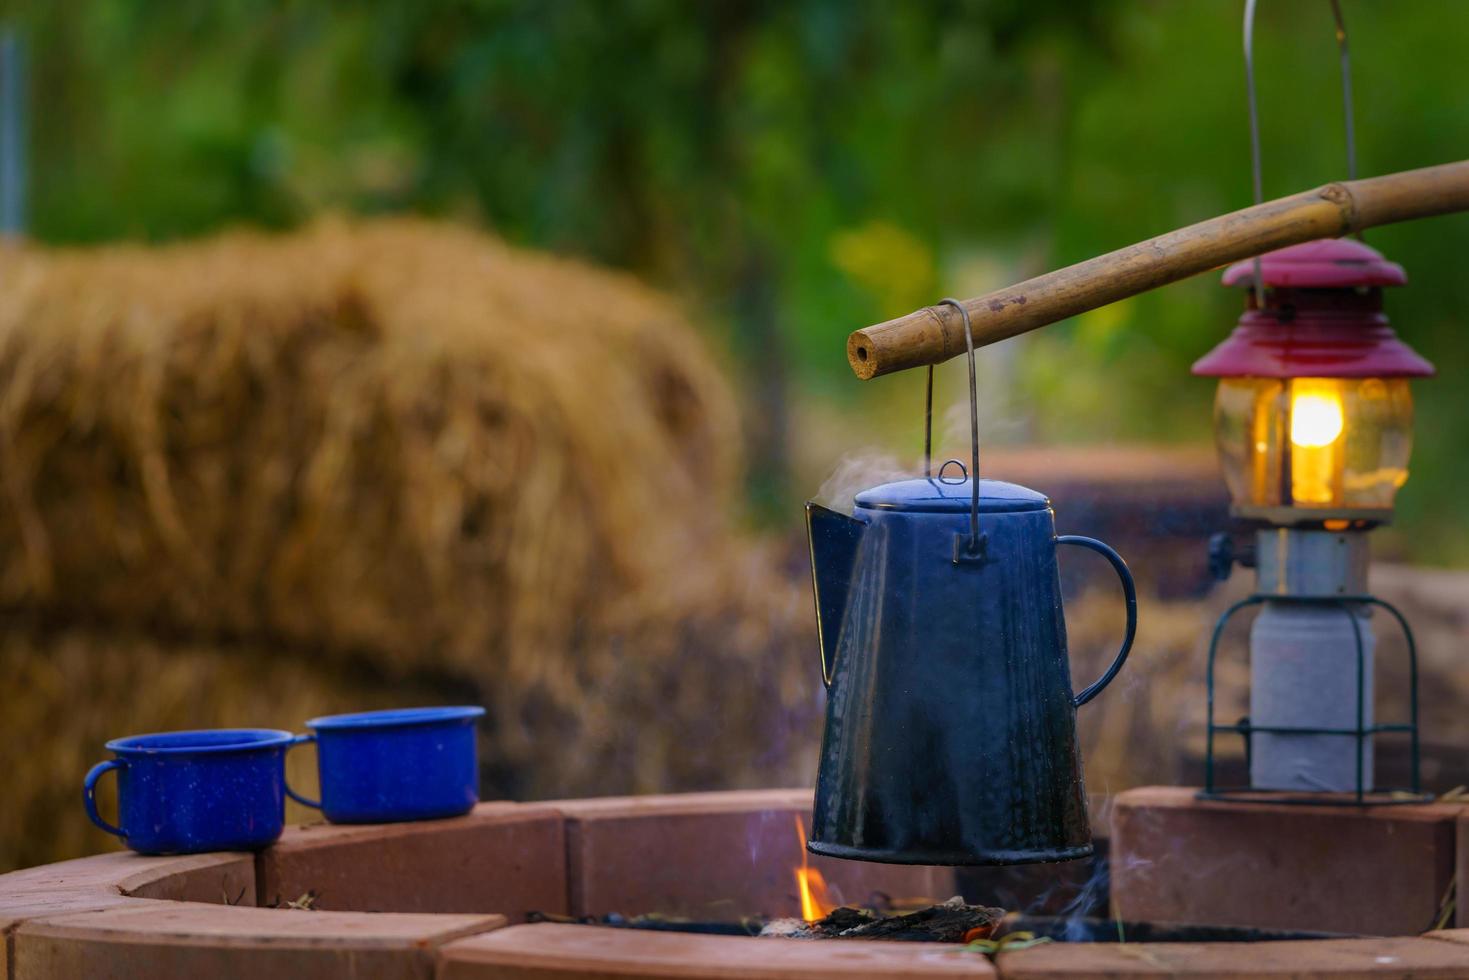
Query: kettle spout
point(834, 538)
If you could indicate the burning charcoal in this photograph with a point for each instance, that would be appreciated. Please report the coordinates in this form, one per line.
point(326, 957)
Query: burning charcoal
point(951, 922)
point(846, 918)
point(790, 929)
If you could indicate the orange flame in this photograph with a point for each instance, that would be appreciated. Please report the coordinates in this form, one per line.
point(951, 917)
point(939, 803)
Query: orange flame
point(815, 901)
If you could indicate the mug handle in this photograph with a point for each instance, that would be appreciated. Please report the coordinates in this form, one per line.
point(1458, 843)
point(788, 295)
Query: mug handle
point(1129, 594)
point(89, 794)
point(314, 804)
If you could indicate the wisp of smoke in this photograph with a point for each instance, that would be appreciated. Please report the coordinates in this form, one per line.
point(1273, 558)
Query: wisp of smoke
point(856, 472)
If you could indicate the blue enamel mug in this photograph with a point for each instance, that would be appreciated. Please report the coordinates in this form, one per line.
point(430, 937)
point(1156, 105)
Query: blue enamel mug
point(186, 792)
point(401, 764)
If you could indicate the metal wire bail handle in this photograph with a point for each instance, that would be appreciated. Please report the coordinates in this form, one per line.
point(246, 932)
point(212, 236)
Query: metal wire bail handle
point(1345, 59)
point(971, 547)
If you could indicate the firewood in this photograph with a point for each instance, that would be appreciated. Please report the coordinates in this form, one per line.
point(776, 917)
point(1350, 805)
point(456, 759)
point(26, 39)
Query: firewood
point(951, 922)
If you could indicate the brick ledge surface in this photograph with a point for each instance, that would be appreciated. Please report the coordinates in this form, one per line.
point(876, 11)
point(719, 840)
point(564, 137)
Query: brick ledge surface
point(127, 916)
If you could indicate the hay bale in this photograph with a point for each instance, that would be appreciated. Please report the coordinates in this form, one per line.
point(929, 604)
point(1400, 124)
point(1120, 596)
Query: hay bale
point(397, 438)
point(409, 447)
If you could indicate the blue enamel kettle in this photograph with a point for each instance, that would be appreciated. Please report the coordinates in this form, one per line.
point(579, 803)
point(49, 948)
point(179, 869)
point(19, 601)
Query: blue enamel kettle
point(951, 723)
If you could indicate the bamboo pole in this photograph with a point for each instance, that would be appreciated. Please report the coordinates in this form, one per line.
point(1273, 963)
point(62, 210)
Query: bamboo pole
point(936, 333)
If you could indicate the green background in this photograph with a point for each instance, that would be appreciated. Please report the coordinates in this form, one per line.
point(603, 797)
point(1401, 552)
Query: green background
point(792, 171)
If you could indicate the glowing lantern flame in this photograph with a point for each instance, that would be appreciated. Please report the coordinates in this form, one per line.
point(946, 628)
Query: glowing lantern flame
point(1316, 422)
point(815, 901)
point(1315, 419)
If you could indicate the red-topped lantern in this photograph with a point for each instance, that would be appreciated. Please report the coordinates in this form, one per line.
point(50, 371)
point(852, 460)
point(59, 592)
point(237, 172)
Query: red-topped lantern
point(1314, 425)
point(1313, 418)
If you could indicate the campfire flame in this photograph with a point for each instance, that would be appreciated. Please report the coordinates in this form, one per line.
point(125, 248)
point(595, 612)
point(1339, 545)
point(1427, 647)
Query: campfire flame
point(816, 903)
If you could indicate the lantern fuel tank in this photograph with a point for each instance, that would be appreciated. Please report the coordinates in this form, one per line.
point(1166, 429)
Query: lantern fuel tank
point(951, 723)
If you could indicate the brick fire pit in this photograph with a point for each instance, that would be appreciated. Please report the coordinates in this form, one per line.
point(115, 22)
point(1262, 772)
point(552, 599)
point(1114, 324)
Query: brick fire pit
point(450, 898)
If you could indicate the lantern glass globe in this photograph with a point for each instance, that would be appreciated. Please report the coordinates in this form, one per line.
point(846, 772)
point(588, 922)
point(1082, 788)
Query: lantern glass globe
point(1301, 450)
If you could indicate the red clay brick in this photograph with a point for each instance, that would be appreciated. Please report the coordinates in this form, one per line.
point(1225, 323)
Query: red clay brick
point(502, 858)
point(102, 881)
point(1337, 959)
point(683, 802)
point(717, 856)
point(1461, 871)
point(217, 879)
point(1379, 870)
point(107, 881)
point(113, 873)
point(551, 952)
point(149, 939)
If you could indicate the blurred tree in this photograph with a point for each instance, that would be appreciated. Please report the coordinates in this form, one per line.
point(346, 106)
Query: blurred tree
point(793, 169)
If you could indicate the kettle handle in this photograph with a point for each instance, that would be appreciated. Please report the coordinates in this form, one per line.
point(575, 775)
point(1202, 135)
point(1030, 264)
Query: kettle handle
point(1129, 593)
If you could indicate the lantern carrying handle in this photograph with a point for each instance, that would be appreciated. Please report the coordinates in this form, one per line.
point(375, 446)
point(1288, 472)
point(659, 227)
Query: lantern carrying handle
point(1345, 59)
point(970, 548)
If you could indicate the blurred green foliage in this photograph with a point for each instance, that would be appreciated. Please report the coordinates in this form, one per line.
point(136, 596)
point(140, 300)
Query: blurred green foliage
point(793, 169)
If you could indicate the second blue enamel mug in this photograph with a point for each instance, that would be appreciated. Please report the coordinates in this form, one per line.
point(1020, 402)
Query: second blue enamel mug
point(395, 765)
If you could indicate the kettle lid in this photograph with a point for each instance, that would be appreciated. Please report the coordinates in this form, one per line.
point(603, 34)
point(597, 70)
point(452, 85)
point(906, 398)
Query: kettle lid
point(938, 495)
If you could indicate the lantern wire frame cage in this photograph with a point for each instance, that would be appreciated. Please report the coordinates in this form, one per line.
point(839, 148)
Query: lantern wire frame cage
point(1390, 796)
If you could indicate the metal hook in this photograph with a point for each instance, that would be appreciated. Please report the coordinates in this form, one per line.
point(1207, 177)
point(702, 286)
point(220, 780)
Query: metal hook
point(975, 547)
point(1346, 95)
point(928, 429)
point(1346, 89)
point(1348, 115)
point(1254, 134)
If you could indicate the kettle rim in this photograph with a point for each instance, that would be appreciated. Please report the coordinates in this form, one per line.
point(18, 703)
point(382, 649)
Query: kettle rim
point(933, 494)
